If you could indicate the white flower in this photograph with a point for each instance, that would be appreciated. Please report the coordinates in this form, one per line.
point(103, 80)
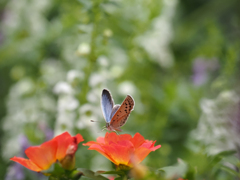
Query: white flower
point(84, 49)
point(96, 79)
point(103, 61)
point(62, 88)
point(116, 71)
point(107, 32)
point(52, 71)
point(156, 40)
point(74, 74)
point(93, 96)
point(23, 87)
point(68, 103)
point(218, 128)
point(126, 87)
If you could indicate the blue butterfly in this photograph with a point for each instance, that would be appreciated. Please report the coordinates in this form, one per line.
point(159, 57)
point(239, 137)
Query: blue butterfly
point(115, 115)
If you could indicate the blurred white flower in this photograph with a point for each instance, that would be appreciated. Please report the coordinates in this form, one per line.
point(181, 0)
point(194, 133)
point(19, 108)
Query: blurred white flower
point(23, 87)
point(11, 148)
point(88, 112)
point(67, 103)
point(107, 32)
point(52, 71)
point(86, 109)
point(116, 71)
point(62, 88)
point(126, 87)
point(156, 41)
point(66, 114)
point(84, 49)
point(219, 126)
point(103, 61)
point(47, 103)
point(72, 75)
point(118, 56)
point(93, 96)
point(96, 79)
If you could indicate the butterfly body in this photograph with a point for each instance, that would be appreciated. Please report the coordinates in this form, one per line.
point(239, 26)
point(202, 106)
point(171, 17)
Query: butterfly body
point(115, 115)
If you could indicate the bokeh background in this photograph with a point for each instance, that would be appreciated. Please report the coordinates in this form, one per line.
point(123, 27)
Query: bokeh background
point(178, 59)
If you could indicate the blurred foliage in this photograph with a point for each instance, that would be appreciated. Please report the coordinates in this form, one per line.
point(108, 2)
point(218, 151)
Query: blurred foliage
point(119, 45)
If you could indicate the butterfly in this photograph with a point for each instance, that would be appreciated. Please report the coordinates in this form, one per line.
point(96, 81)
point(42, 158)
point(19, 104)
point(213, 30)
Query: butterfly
point(115, 115)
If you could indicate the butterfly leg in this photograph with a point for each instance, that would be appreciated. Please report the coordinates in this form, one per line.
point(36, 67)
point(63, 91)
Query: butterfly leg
point(115, 132)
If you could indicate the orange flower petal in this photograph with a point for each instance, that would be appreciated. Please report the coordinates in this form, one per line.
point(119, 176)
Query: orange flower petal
point(138, 140)
point(44, 155)
point(79, 138)
point(100, 140)
point(99, 148)
point(123, 149)
point(150, 145)
point(27, 163)
point(140, 154)
point(90, 143)
point(64, 141)
point(111, 137)
point(120, 153)
point(125, 137)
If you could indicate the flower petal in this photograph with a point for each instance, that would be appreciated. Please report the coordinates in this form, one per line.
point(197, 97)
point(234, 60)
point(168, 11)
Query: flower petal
point(111, 137)
point(65, 140)
point(90, 143)
point(123, 149)
point(142, 152)
point(121, 152)
point(79, 138)
point(99, 148)
point(150, 145)
point(125, 137)
point(27, 163)
point(138, 140)
point(100, 140)
point(44, 155)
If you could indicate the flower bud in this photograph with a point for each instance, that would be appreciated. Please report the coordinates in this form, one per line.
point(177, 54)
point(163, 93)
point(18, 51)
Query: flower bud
point(68, 162)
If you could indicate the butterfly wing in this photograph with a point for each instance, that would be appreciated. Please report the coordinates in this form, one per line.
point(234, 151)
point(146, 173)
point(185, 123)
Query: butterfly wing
point(114, 110)
point(121, 116)
point(107, 105)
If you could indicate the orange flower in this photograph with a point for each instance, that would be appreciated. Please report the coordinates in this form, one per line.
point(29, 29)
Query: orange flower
point(123, 149)
point(43, 156)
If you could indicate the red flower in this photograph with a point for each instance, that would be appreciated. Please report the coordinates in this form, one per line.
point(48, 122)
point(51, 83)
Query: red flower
point(123, 149)
point(43, 156)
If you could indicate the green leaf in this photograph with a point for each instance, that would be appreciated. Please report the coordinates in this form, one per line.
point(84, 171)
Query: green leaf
point(114, 172)
point(90, 174)
point(190, 174)
point(226, 153)
point(58, 173)
point(179, 169)
point(218, 157)
point(229, 170)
